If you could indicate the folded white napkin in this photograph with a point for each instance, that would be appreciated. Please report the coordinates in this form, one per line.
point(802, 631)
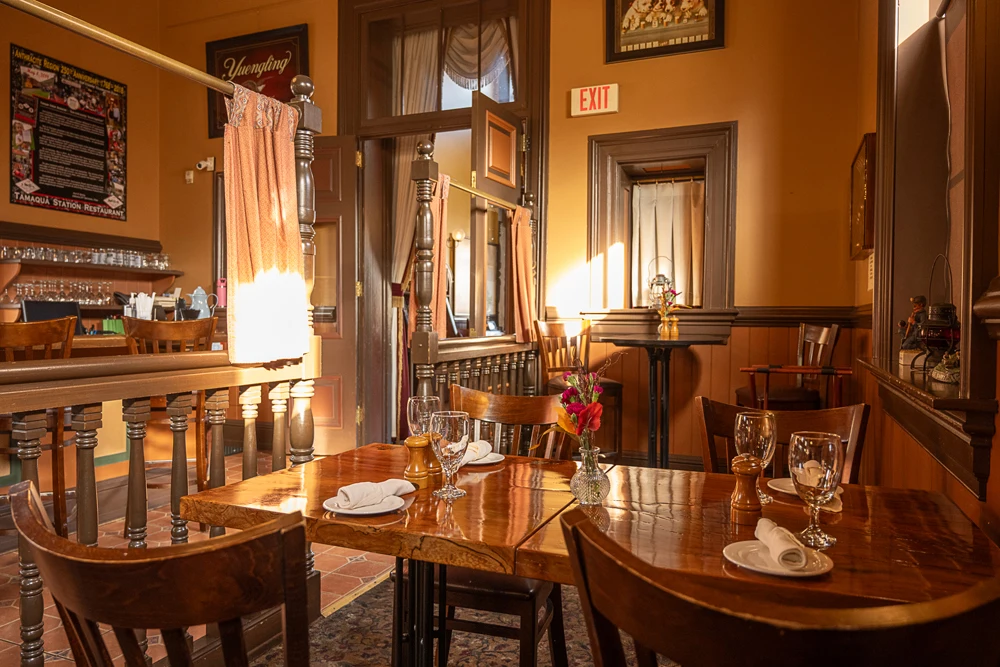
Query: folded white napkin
point(477, 449)
point(364, 494)
point(810, 473)
point(785, 549)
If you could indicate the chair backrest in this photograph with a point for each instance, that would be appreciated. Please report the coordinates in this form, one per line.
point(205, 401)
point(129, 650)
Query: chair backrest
point(691, 616)
point(170, 588)
point(816, 345)
point(37, 311)
point(152, 337)
point(563, 347)
point(718, 422)
point(18, 340)
point(503, 420)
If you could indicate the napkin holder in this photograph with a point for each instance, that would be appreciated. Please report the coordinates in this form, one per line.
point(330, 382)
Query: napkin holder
point(745, 506)
point(416, 470)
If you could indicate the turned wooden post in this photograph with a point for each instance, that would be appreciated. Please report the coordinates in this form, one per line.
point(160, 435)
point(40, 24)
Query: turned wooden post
point(529, 374)
point(86, 419)
point(278, 396)
point(216, 404)
point(178, 408)
point(135, 414)
point(423, 345)
point(27, 428)
point(250, 398)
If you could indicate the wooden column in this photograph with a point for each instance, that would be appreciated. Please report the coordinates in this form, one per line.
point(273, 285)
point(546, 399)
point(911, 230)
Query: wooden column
point(250, 398)
point(27, 428)
point(178, 408)
point(278, 395)
point(216, 404)
point(423, 345)
point(135, 414)
point(530, 388)
point(86, 419)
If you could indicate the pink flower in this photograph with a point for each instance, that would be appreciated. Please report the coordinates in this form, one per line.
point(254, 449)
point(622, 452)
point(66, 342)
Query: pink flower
point(575, 408)
point(599, 389)
point(567, 375)
point(570, 394)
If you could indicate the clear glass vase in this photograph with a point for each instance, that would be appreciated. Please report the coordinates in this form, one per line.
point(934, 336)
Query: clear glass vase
point(590, 484)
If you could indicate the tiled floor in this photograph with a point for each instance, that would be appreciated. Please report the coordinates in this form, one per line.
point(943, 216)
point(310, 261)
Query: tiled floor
point(345, 575)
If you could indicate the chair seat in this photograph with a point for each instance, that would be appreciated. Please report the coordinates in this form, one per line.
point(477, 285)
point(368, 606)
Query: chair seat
point(463, 580)
point(782, 398)
point(557, 386)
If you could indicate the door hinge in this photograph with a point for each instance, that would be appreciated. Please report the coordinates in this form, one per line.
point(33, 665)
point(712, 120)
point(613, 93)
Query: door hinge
point(359, 416)
point(359, 159)
point(359, 290)
point(473, 179)
point(472, 332)
point(525, 143)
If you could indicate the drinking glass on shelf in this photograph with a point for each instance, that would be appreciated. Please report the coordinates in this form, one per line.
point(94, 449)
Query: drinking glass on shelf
point(816, 461)
point(449, 439)
point(419, 410)
point(756, 435)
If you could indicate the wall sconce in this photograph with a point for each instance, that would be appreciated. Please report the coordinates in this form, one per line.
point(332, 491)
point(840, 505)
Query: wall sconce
point(458, 235)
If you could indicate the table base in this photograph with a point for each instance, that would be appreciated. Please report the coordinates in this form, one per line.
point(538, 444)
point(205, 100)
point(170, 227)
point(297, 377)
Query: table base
point(413, 620)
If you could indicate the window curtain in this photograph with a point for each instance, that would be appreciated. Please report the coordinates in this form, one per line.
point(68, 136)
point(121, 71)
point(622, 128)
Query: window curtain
point(668, 225)
point(462, 49)
point(523, 279)
point(267, 292)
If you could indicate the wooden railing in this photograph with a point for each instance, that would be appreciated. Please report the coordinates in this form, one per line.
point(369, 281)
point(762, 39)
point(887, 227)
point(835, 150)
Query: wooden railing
point(28, 389)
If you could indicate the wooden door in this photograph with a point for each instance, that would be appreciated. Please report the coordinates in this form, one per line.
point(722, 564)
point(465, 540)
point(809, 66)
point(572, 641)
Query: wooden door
point(334, 294)
point(497, 166)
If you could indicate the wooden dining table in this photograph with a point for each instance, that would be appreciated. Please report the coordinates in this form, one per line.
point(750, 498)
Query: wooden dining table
point(893, 546)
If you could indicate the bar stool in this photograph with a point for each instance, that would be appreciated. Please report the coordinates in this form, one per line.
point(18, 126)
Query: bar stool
point(561, 351)
point(18, 342)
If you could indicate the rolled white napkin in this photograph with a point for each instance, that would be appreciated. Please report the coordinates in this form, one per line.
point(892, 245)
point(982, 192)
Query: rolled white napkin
point(363, 494)
point(477, 449)
point(785, 549)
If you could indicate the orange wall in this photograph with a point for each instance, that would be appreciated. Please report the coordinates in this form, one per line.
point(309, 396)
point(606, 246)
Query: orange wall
point(138, 22)
point(867, 110)
point(185, 211)
point(790, 75)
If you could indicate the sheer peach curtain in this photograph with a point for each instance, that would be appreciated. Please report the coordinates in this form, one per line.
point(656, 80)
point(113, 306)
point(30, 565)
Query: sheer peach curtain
point(267, 293)
point(524, 280)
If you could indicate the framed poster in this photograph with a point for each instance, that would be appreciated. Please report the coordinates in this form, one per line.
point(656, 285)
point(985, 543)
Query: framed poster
point(264, 62)
point(863, 199)
point(67, 138)
point(648, 28)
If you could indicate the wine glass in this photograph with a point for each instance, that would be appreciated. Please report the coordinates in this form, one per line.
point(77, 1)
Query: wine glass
point(756, 435)
point(816, 461)
point(449, 439)
point(418, 413)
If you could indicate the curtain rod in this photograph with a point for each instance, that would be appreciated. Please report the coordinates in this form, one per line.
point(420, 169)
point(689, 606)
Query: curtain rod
point(503, 203)
point(679, 179)
point(80, 27)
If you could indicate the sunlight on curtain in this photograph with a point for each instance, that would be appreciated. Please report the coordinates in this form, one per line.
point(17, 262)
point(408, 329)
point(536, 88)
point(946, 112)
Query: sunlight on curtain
point(267, 293)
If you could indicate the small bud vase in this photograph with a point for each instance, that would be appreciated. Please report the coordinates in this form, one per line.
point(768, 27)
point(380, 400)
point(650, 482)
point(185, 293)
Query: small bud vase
point(589, 484)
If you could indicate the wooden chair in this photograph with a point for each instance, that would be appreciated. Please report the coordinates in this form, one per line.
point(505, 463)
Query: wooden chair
point(562, 349)
point(18, 342)
point(153, 337)
point(501, 593)
point(718, 422)
point(701, 625)
point(165, 588)
point(815, 348)
point(505, 420)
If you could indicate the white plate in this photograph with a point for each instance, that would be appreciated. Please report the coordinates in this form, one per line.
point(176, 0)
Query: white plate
point(785, 485)
point(753, 555)
point(488, 460)
point(390, 504)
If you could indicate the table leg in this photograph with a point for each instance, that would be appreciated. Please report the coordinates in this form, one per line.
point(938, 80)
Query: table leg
point(653, 395)
point(665, 408)
point(398, 617)
point(442, 660)
point(422, 589)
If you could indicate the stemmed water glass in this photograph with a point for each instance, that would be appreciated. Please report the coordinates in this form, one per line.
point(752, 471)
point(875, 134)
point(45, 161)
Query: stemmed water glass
point(449, 439)
point(756, 435)
point(816, 461)
point(418, 413)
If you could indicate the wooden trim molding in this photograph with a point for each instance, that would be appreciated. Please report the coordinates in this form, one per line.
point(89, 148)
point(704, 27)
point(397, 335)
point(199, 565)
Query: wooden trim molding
point(987, 308)
point(16, 231)
point(856, 317)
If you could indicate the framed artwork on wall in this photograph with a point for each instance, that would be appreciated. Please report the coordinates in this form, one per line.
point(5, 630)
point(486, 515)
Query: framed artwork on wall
point(863, 199)
point(264, 62)
point(650, 28)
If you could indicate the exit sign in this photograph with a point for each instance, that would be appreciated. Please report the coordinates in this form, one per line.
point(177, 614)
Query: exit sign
point(591, 100)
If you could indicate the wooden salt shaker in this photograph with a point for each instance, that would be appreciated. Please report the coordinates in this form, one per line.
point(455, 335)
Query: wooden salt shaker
point(745, 504)
point(434, 471)
point(416, 470)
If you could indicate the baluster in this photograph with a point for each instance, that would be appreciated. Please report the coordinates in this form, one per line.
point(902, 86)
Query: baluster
point(529, 374)
point(216, 404)
point(519, 374)
point(26, 430)
point(496, 374)
point(301, 422)
point(250, 398)
point(465, 373)
point(423, 344)
point(278, 396)
point(453, 373)
point(178, 409)
point(477, 374)
point(135, 414)
point(85, 420)
point(504, 370)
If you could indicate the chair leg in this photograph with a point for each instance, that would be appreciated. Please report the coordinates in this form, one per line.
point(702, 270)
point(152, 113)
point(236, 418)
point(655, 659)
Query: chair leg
point(59, 511)
point(529, 636)
point(557, 633)
point(449, 615)
point(644, 657)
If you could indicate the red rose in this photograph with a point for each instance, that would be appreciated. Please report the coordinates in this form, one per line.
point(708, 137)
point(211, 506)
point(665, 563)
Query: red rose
point(589, 418)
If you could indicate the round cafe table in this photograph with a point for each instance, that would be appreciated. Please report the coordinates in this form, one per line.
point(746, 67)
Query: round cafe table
point(659, 351)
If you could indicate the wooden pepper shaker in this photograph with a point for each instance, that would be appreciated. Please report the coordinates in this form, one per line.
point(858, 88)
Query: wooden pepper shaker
point(745, 503)
point(416, 470)
point(434, 470)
